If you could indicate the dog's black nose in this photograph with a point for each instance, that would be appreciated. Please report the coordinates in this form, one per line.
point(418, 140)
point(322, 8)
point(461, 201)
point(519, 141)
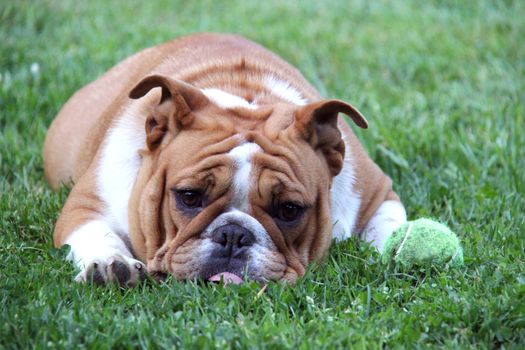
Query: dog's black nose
point(233, 240)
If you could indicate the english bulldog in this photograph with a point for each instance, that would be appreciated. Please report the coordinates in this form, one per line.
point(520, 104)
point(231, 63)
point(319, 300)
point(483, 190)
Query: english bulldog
point(209, 157)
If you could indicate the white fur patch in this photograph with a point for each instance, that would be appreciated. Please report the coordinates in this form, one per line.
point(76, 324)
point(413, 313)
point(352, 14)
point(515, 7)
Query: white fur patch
point(259, 257)
point(284, 90)
point(226, 100)
point(242, 156)
point(345, 201)
point(118, 167)
point(95, 241)
point(388, 217)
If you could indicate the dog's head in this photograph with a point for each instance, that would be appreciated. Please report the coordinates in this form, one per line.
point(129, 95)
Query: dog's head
point(241, 190)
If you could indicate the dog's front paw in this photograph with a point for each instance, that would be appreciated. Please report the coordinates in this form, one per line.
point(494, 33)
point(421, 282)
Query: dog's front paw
point(117, 269)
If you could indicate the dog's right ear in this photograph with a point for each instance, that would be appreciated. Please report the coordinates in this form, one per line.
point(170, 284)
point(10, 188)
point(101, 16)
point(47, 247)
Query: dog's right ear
point(317, 124)
point(174, 112)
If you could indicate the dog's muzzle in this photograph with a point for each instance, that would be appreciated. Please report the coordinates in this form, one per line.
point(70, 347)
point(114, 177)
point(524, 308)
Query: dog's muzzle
point(230, 253)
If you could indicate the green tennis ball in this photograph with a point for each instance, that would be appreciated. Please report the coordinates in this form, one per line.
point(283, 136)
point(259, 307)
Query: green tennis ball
point(423, 242)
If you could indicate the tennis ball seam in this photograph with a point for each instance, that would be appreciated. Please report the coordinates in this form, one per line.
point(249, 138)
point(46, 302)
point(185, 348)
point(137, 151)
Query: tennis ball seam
point(409, 230)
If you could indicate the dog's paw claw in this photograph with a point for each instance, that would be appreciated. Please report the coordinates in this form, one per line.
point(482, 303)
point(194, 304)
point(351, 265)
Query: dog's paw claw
point(96, 275)
point(120, 270)
point(141, 269)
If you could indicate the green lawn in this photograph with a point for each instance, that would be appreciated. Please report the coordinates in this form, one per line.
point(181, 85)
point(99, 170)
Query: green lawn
point(442, 84)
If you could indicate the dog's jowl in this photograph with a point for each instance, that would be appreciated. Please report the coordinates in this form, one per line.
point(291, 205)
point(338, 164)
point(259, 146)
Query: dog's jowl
point(210, 156)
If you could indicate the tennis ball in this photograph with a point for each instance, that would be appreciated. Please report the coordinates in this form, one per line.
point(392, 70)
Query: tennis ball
point(423, 242)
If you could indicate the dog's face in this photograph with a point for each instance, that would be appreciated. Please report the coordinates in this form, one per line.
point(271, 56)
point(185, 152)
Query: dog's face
point(241, 190)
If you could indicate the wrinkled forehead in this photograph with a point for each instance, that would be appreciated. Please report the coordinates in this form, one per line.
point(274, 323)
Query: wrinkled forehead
point(263, 173)
point(242, 163)
point(221, 159)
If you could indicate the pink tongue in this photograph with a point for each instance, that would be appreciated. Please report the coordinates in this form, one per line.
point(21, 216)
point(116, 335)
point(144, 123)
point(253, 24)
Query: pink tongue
point(227, 277)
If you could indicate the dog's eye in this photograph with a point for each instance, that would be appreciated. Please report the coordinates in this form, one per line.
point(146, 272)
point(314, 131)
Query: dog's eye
point(289, 211)
point(190, 198)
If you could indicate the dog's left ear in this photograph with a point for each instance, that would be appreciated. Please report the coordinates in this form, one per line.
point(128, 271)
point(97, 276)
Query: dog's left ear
point(171, 88)
point(177, 102)
point(317, 123)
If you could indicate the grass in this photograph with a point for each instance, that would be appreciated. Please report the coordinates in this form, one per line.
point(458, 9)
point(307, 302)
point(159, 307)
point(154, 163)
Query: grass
point(442, 84)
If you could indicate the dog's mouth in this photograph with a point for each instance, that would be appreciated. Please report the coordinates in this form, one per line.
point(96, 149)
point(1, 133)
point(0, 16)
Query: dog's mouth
point(226, 270)
point(226, 278)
